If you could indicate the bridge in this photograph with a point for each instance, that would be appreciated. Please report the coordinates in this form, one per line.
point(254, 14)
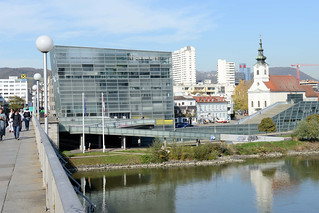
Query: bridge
point(32, 179)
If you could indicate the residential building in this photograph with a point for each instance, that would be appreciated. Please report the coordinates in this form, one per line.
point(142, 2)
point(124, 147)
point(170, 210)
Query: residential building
point(184, 66)
point(269, 89)
point(211, 108)
point(226, 72)
point(14, 86)
point(186, 104)
point(136, 84)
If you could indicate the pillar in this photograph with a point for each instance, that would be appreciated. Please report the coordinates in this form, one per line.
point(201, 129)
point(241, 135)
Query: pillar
point(139, 142)
point(165, 143)
point(100, 141)
point(124, 142)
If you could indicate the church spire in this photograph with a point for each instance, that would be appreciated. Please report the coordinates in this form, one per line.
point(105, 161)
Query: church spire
point(261, 58)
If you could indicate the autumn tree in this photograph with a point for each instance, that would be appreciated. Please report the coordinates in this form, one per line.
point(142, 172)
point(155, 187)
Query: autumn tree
point(240, 96)
point(267, 125)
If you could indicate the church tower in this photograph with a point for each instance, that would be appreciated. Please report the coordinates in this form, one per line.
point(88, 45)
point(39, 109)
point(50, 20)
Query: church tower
point(261, 69)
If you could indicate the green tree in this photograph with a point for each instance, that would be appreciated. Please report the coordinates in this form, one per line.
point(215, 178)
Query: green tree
point(16, 102)
point(313, 117)
point(307, 130)
point(267, 125)
point(240, 95)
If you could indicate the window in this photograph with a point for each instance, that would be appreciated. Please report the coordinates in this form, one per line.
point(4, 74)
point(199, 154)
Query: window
point(257, 83)
point(257, 72)
point(265, 103)
point(252, 104)
point(265, 72)
point(182, 103)
point(258, 103)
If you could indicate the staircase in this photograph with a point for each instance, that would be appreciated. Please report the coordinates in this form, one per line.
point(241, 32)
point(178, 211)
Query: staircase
point(268, 113)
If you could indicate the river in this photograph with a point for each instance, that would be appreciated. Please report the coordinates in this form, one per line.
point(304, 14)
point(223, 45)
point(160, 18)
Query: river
point(275, 185)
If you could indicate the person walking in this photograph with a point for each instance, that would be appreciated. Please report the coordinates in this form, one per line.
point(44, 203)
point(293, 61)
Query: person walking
point(22, 119)
point(2, 124)
point(10, 121)
point(27, 117)
point(16, 119)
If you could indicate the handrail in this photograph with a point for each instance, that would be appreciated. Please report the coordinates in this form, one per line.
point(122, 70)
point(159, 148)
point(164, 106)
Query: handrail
point(77, 188)
point(60, 195)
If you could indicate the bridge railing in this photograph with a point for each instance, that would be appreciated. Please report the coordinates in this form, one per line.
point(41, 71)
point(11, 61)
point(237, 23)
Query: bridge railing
point(60, 194)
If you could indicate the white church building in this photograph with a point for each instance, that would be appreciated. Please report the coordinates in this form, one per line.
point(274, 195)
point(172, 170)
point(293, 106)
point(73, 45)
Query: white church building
point(269, 89)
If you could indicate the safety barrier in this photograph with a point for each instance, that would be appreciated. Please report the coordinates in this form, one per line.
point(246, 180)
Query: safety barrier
point(60, 194)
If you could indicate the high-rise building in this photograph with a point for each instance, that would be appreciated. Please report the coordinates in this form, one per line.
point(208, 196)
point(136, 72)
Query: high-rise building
point(246, 70)
point(14, 87)
point(136, 84)
point(226, 72)
point(184, 66)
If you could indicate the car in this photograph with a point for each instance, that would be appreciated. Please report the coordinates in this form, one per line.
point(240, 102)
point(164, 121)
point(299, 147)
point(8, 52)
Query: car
point(222, 120)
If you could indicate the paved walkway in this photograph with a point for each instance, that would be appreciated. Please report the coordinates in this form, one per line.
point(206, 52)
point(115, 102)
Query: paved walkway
point(20, 177)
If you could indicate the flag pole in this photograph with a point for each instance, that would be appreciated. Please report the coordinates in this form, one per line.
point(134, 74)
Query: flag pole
point(103, 111)
point(83, 112)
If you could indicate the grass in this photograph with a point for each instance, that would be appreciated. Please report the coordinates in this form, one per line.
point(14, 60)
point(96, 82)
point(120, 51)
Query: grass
point(265, 147)
point(115, 159)
point(184, 153)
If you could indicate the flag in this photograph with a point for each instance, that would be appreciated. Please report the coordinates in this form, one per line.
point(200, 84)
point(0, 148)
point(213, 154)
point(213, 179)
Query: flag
point(84, 107)
point(103, 105)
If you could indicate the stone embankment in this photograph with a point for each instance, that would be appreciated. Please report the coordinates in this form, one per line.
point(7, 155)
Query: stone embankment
point(219, 161)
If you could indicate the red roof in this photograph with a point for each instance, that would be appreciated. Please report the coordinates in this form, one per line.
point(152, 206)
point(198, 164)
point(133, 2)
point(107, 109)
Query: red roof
point(209, 99)
point(284, 83)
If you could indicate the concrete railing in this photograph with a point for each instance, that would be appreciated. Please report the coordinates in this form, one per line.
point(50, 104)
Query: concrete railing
point(60, 194)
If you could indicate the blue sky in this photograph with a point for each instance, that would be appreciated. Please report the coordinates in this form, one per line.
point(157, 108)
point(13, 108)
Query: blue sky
point(225, 29)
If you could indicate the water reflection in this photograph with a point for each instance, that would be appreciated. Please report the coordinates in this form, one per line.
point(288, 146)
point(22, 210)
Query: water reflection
point(256, 186)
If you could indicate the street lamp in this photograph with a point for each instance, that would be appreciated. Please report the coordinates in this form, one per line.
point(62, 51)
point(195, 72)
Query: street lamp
point(34, 89)
point(33, 102)
point(37, 77)
point(45, 44)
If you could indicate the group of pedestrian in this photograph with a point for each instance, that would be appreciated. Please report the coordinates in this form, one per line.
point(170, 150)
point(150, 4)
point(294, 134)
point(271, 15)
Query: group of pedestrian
point(14, 121)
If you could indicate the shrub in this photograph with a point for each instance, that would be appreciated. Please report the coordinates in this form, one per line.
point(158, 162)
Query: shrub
point(307, 130)
point(267, 125)
point(202, 152)
point(176, 152)
point(313, 117)
point(158, 154)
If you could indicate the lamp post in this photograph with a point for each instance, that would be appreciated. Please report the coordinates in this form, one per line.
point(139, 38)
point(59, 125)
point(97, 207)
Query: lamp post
point(34, 98)
point(45, 44)
point(37, 77)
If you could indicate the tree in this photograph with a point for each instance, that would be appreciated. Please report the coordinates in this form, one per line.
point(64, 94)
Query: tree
point(308, 130)
point(16, 102)
point(267, 125)
point(313, 117)
point(240, 96)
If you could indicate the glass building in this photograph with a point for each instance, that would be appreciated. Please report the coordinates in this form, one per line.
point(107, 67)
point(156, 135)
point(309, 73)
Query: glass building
point(136, 84)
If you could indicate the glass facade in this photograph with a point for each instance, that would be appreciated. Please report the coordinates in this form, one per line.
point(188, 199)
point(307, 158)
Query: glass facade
point(136, 84)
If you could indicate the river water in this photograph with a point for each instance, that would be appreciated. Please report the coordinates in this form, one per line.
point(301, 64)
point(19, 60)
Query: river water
point(278, 185)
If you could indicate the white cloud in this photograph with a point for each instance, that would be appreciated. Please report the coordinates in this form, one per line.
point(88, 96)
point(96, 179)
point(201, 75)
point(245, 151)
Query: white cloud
point(130, 19)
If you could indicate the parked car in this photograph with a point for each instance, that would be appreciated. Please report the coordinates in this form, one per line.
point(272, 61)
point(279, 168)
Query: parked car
point(222, 120)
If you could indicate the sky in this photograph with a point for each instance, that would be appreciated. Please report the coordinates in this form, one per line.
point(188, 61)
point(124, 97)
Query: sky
point(218, 29)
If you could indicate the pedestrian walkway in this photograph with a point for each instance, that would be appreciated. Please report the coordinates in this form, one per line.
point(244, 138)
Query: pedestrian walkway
point(20, 177)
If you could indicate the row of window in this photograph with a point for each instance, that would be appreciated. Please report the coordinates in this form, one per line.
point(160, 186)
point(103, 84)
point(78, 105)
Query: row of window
point(258, 104)
point(212, 107)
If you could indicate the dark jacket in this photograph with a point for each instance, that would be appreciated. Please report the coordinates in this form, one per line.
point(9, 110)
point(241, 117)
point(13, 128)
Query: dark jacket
point(16, 119)
point(27, 114)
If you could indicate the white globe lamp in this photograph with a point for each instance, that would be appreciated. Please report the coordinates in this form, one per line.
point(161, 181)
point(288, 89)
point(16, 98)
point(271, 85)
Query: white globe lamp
point(37, 76)
point(34, 87)
point(45, 44)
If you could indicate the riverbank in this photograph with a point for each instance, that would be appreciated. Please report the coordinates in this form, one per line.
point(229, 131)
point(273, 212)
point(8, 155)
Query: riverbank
point(180, 156)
